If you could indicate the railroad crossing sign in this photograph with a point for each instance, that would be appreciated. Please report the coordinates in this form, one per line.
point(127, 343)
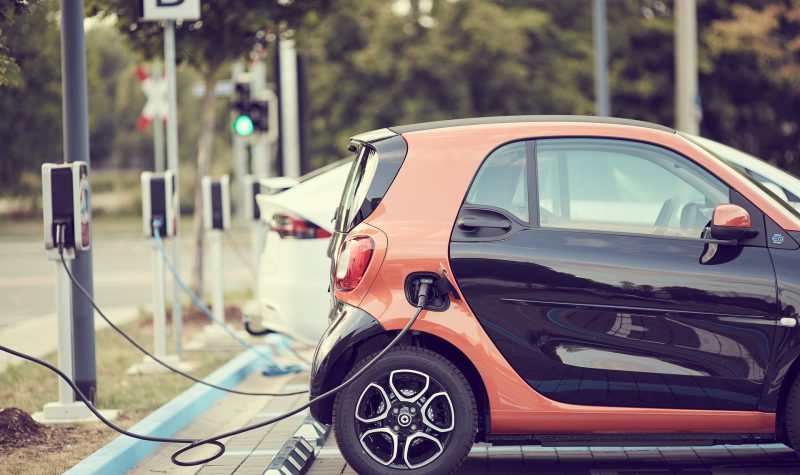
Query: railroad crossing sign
point(156, 107)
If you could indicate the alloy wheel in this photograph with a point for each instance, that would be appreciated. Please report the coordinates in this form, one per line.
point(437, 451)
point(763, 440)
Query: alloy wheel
point(405, 419)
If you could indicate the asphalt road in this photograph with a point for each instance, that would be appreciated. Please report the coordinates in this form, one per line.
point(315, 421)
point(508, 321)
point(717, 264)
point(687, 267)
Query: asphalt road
point(122, 273)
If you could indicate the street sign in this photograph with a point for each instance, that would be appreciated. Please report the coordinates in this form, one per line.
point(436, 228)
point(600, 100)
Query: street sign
point(157, 105)
point(157, 10)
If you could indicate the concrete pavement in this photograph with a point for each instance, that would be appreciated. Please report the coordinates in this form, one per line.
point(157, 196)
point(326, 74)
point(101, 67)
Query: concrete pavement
point(122, 274)
point(38, 336)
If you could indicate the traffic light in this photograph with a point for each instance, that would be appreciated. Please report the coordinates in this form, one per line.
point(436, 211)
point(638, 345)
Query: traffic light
point(242, 123)
point(259, 114)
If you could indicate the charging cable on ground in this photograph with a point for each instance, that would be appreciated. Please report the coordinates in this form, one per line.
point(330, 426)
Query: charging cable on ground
point(60, 232)
point(422, 300)
point(151, 355)
point(273, 367)
point(241, 256)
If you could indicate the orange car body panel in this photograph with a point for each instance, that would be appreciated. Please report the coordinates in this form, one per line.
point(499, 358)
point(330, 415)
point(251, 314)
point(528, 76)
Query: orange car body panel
point(417, 215)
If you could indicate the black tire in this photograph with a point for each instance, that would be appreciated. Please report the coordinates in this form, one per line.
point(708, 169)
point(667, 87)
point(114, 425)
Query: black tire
point(792, 414)
point(400, 363)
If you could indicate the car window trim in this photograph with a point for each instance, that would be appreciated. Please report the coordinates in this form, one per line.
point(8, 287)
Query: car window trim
point(538, 225)
point(631, 234)
point(533, 183)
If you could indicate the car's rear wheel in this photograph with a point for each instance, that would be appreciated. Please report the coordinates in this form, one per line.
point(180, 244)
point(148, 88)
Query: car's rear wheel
point(411, 411)
point(792, 414)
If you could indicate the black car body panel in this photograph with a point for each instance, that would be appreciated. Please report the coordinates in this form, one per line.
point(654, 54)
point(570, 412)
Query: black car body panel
point(597, 318)
point(350, 326)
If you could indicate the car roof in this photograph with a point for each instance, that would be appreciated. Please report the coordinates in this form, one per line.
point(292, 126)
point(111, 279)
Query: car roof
point(584, 119)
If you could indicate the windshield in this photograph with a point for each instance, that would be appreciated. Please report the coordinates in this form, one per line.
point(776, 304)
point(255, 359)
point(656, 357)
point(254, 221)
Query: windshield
point(739, 170)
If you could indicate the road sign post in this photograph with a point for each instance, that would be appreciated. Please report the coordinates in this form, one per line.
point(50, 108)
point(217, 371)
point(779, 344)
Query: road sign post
point(168, 12)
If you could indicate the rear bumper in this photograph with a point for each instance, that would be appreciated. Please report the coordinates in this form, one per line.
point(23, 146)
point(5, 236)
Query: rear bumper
point(333, 358)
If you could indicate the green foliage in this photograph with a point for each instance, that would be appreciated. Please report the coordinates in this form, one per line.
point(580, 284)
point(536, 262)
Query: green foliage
point(30, 131)
point(226, 30)
point(9, 11)
point(372, 67)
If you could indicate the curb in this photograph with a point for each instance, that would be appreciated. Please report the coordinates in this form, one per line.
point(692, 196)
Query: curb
point(293, 459)
point(122, 453)
point(299, 452)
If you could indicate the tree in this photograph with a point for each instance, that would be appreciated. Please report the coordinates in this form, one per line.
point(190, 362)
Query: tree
point(227, 30)
point(9, 11)
point(374, 64)
point(755, 50)
point(30, 131)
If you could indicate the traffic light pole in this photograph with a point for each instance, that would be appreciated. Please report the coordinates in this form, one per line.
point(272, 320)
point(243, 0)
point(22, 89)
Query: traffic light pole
point(172, 163)
point(76, 148)
point(687, 96)
point(261, 164)
point(290, 113)
point(602, 96)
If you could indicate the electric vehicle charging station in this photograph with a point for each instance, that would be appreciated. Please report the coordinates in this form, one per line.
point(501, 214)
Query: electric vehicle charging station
point(67, 228)
point(159, 216)
point(252, 216)
point(216, 220)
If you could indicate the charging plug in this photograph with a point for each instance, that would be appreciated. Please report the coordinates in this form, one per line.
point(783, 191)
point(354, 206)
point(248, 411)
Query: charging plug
point(423, 290)
point(419, 285)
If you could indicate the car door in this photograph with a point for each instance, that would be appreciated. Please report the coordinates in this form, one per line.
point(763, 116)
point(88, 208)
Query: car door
point(584, 261)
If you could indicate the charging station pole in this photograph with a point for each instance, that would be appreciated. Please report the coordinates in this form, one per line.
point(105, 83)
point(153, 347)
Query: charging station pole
point(67, 231)
point(218, 289)
point(66, 395)
point(216, 220)
point(158, 219)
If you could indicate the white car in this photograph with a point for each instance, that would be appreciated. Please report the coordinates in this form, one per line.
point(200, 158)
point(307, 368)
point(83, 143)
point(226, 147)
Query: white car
point(785, 185)
point(294, 270)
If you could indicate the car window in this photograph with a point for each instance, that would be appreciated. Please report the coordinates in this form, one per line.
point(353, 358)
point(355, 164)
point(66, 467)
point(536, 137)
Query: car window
point(623, 186)
point(502, 181)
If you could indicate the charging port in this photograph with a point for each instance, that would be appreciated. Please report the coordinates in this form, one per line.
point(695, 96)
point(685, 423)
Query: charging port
point(437, 301)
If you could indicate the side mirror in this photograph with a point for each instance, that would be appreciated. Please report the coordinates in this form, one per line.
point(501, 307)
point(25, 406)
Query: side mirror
point(731, 222)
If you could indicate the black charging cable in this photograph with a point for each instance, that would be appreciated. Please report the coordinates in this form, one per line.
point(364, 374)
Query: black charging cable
point(60, 244)
point(422, 301)
point(241, 255)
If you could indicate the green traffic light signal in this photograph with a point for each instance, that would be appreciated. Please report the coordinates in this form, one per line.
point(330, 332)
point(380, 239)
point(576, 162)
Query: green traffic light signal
point(243, 125)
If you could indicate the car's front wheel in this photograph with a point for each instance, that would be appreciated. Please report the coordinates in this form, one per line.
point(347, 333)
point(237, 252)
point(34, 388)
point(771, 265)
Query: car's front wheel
point(411, 411)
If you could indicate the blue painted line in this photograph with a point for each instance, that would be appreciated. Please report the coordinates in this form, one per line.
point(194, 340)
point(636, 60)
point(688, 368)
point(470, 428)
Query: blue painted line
point(123, 453)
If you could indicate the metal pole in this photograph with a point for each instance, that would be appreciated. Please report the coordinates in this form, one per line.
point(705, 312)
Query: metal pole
point(158, 128)
point(217, 297)
point(687, 98)
point(290, 115)
point(602, 95)
point(76, 147)
point(172, 159)
point(239, 155)
point(63, 308)
point(261, 165)
point(159, 306)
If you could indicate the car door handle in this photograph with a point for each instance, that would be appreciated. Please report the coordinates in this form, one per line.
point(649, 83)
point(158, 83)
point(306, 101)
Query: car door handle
point(471, 224)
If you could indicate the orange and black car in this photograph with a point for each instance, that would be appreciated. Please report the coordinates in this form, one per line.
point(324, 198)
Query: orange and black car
point(597, 282)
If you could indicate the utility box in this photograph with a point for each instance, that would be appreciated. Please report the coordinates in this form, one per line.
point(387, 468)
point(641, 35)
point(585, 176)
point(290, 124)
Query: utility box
point(159, 203)
point(65, 202)
point(252, 188)
point(216, 203)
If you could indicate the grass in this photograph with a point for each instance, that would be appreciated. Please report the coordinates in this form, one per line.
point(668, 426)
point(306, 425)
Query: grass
point(28, 386)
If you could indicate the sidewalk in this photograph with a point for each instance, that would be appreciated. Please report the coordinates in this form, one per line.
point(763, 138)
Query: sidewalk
point(38, 336)
point(248, 453)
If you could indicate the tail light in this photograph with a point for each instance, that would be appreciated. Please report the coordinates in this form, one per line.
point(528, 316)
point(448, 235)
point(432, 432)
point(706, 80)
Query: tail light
point(291, 226)
point(352, 262)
